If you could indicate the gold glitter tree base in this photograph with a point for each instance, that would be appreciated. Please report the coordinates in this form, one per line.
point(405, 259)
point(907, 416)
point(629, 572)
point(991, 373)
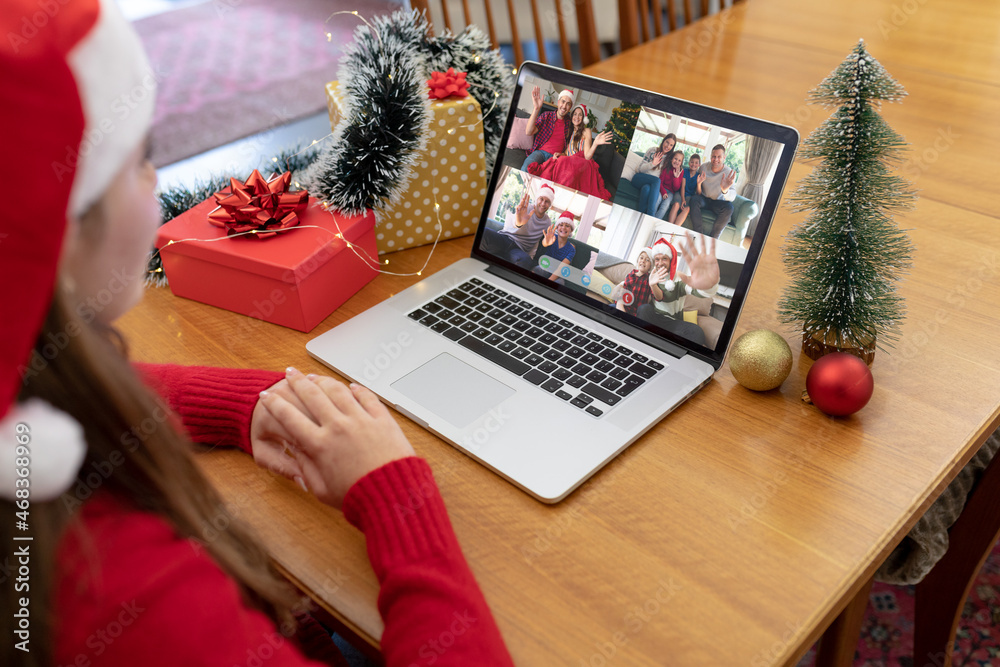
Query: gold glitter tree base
point(815, 345)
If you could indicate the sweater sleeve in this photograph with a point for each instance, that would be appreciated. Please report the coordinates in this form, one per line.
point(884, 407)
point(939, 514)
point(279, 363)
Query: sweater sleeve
point(214, 404)
point(646, 166)
point(433, 610)
point(130, 592)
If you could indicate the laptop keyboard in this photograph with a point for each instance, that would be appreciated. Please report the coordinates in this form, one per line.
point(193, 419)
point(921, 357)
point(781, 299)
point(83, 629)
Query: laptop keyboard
point(579, 366)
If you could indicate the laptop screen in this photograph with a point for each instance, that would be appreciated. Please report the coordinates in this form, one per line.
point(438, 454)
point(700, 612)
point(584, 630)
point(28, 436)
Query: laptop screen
point(645, 208)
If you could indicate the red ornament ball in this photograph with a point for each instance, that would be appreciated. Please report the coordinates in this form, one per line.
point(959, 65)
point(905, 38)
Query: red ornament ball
point(840, 384)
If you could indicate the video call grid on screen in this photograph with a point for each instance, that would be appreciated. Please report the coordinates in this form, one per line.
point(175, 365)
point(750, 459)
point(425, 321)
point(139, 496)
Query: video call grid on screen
point(622, 208)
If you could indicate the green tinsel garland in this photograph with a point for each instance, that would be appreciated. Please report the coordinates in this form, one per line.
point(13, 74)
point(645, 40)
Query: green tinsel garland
point(367, 162)
point(386, 109)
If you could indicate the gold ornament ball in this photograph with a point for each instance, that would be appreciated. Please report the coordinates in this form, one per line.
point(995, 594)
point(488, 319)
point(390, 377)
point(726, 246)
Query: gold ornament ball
point(760, 360)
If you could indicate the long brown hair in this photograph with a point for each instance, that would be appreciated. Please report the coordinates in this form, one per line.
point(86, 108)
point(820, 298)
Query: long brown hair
point(81, 368)
point(577, 137)
point(669, 136)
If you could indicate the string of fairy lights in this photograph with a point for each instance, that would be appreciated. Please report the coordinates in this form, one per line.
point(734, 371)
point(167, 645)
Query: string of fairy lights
point(359, 251)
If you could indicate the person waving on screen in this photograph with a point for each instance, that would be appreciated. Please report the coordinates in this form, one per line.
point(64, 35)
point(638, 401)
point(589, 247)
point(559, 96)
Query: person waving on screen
point(715, 180)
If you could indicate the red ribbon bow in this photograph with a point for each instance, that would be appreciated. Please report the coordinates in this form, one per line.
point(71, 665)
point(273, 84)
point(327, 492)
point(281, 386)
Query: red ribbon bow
point(264, 206)
point(448, 84)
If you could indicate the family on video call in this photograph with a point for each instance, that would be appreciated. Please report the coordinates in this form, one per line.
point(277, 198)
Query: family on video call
point(631, 216)
point(537, 236)
point(670, 192)
point(563, 146)
point(690, 182)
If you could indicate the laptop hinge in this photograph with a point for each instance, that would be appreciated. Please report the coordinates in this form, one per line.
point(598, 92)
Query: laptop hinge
point(591, 313)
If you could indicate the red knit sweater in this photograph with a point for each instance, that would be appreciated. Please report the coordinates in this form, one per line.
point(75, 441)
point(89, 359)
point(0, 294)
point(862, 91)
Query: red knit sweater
point(130, 592)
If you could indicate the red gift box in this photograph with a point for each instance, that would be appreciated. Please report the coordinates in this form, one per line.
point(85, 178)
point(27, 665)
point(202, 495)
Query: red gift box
point(294, 278)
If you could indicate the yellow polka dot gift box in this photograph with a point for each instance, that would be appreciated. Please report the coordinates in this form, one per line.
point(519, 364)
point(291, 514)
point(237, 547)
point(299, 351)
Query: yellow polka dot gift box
point(450, 172)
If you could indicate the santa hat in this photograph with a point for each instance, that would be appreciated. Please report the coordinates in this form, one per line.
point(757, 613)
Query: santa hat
point(568, 93)
point(78, 99)
point(547, 191)
point(664, 247)
point(566, 217)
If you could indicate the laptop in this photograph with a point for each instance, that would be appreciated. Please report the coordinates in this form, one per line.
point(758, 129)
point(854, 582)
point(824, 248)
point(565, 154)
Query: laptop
point(547, 352)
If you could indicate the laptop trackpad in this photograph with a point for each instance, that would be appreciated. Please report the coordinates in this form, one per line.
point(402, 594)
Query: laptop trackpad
point(453, 390)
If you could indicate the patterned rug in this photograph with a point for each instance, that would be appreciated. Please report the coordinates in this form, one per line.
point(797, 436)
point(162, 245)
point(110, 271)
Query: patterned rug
point(227, 69)
point(887, 633)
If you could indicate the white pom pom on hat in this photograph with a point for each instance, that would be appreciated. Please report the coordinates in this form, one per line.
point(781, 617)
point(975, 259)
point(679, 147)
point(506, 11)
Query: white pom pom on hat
point(52, 448)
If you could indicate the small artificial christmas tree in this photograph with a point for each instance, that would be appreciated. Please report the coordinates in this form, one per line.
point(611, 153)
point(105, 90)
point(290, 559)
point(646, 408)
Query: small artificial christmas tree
point(847, 256)
point(622, 126)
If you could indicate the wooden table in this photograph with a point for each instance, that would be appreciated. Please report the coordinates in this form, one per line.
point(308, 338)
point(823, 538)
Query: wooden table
point(737, 529)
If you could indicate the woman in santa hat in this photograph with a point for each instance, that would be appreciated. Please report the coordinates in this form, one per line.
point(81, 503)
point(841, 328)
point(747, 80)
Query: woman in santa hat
point(582, 139)
point(577, 168)
point(98, 488)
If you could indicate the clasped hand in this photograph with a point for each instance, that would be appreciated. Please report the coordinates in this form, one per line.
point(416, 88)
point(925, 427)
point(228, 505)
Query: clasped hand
point(324, 434)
